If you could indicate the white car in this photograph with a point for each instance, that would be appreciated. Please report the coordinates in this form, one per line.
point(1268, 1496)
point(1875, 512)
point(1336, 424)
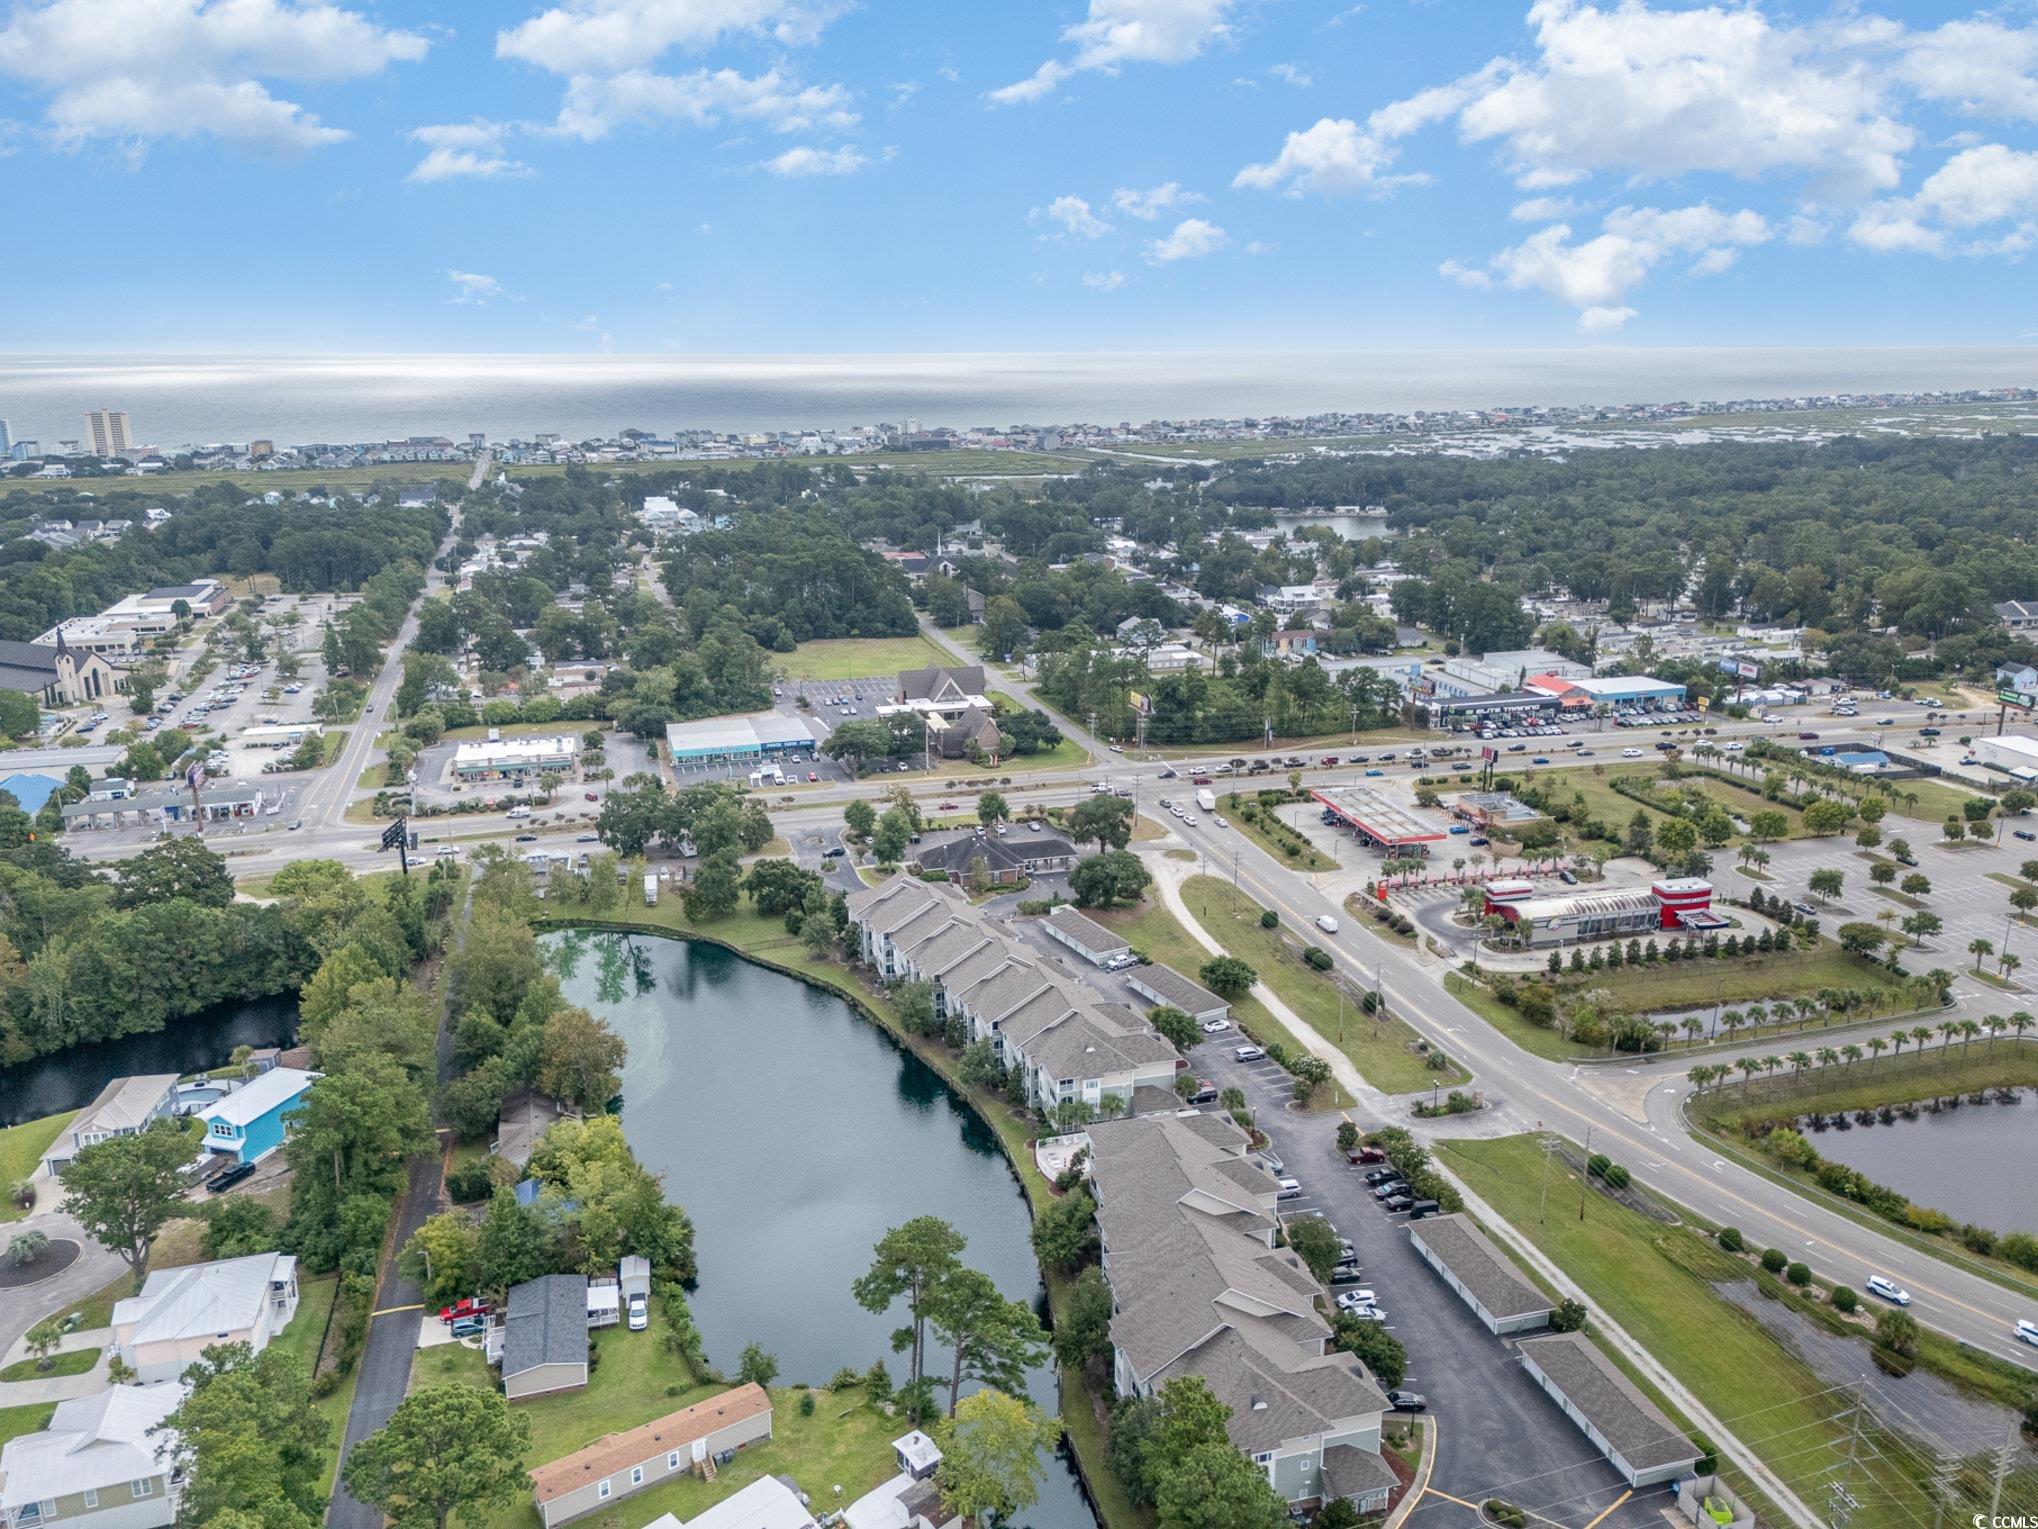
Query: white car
point(1216, 1026)
point(640, 1316)
point(1368, 1313)
point(1631, 753)
point(1291, 1189)
point(1889, 1290)
point(2028, 1331)
point(1222, 821)
point(1352, 1300)
point(1326, 923)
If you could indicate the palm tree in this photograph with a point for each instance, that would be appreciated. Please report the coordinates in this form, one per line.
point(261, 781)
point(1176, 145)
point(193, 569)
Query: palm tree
point(1732, 1020)
point(1749, 1067)
point(1852, 1053)
point(1828, 1056)
point(2007, 963)
point(1980, 948)
point(1877, 1046)
point(1693, 1025)
point(1968, 1031)
point(1806, 1008)
point(1996, 1024)
point(1920, 1034)
point(1700, 1076)
point(1800, 1063)
point(1898, 1040)
point(1947, 1030)
point(2021, 1021)
point(1667, 1028)
point(1771, 1064)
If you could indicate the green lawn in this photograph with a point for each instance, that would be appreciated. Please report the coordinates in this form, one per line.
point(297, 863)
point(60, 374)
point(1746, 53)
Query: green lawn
point(16, 1421)
point(859, 658)
point(1156, 934)
point(1594, 782)
point(1868, 1084)
point(72, 1362)
point(96, 1310)
point(1668, 986)
point(21, 1150)
point(1380, 1049)
point(1535, 1039)
point(1277, 839)
point(1658, 1282)
point(299, 1344)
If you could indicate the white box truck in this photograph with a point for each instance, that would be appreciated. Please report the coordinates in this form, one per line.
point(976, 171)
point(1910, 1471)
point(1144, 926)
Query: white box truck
point(650, 889)
point(1207, 799)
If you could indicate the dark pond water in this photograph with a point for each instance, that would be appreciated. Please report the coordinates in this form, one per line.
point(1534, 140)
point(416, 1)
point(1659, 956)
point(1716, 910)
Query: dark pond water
point(796, 1134)
point(1973, 1162)
point(71, 1079)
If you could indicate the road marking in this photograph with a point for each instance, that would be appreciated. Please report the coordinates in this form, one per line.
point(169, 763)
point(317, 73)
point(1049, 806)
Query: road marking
point(390, 1311)
point(1611, 1506)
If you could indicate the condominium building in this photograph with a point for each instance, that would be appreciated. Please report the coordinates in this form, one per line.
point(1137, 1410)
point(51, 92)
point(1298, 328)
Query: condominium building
point(110, 432)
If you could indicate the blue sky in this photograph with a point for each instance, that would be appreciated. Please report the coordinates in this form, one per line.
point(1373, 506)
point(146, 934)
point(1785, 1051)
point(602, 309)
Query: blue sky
point(892, 175)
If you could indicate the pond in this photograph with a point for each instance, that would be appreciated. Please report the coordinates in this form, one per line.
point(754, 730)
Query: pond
point(796, 1134)
point(71, 1079)
point(1954, 1160)
point(1351, 528)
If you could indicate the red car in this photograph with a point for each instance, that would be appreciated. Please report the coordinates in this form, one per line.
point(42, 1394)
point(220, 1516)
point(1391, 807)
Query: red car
point(470, 1306)
point(1199, 780)
point(590, 796)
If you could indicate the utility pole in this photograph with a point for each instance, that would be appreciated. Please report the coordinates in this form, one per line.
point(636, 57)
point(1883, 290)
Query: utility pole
point(2003, 1453)
point(1840, 1500)
point(1543, 1203)
point(1585, 1172)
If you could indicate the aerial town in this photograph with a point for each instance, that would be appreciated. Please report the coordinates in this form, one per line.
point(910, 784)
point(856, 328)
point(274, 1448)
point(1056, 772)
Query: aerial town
point(1340, 1004)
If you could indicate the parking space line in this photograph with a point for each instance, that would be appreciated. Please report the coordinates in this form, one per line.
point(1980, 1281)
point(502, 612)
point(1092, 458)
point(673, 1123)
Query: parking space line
point(1611, 1506)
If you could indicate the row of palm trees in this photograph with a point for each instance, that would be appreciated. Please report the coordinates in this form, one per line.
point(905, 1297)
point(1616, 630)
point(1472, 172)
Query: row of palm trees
point(1966, 1031)
point(1827, 1003)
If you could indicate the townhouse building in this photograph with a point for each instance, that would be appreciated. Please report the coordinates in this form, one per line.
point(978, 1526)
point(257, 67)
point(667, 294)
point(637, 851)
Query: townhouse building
point(1070, 1042)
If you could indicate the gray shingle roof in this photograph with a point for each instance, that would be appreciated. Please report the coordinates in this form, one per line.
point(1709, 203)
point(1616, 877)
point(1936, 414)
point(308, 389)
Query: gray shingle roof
point(547, 1323)
point(1176, 989)
point(1632, 1424)
point(1017, 852)
point(1479, 1266)
point(1086, 932)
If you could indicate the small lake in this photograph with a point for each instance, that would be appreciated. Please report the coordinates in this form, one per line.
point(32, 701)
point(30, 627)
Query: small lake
point(796, 1134)
point(1352, 528)
point(71, 1079)
point(1971, 1162)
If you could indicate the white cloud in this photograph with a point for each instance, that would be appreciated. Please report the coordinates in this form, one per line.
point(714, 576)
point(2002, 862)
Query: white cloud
point(596, 104)
point(806, 160)
point(1978, 66)
point(1598, 320)
point(1072, 215)
point(1334, 155)
point(470, 150)
point(1149, 205)
point(1291, 74)
point(142, 70)
point(1542, 209)
point(473, 287)
point(1119, 32)
point(1961, 208)
point(1261, 247)
point(1595, 275)
point(617, 36)
point(1104, 281)
point(1192, 239)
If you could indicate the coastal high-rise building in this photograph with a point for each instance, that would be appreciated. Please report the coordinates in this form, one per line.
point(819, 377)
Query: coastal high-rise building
point(6, 438)
point(110, 431)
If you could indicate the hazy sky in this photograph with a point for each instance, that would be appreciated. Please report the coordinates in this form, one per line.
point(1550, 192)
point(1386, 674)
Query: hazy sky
point(825, 175)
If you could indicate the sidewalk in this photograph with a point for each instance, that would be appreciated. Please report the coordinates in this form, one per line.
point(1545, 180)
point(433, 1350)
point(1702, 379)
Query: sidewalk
point(59, 1388)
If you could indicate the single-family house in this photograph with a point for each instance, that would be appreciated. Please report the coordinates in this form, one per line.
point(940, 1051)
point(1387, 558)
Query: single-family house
point(910, 1499)
point(2017, 615)
point(180, 1313)
point(98, 1464)
point(2013, 679)
point(124, 1106)
point(769, 1502)
point(693, 1439)
point(542, 1341)
point(249, 1123)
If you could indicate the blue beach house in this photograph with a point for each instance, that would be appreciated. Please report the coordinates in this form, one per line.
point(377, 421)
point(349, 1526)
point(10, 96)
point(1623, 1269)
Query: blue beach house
point(250, 1122)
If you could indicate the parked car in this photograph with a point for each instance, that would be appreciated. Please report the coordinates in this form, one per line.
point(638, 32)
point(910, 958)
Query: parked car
point(1352, 1300)
point(1206, 1092)
point(1889, 1290)
point(639, 1314)
point(1380, 1175)
point(1369, 1155)
point(224, 1180)
point(1247, 1053)
point(1346, 1274)
point(1422, 1208)
point(1216, 1026)
point(1407, 1401)
point(1291, 1189)
point(1399, 1201)
point(470, 1327)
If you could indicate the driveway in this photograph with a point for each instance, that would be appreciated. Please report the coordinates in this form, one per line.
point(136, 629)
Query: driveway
point(92, 1271)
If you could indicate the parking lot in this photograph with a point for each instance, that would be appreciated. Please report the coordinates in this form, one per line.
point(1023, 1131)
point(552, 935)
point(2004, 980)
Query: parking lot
point(1498, 1433)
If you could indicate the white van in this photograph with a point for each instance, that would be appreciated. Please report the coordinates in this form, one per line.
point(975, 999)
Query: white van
point(2028, 1331)
point(1326, 923)
point(517, 813)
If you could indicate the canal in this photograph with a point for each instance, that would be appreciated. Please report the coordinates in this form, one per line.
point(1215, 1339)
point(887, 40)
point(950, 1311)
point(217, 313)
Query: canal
point(1968, 1162)
point(796, 1134)
point(71, 1079)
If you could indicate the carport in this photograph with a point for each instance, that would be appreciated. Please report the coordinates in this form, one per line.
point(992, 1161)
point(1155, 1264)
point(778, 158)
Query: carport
point(1642, 1444)
point(1378, 820)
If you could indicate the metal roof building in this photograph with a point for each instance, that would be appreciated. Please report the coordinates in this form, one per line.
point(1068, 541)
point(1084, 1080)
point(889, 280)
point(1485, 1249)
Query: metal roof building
point(1376, 817)
point(742, 737)
point(1643, 1444)
point(1163, 984)
point(1482, 1275)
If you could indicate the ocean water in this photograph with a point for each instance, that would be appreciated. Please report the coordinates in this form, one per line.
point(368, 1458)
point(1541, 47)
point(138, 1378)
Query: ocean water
point(186, 399)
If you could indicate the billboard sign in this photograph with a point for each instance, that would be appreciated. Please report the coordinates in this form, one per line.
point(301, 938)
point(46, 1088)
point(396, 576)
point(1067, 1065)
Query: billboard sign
point(395, 833)
point(1748, 671)
point(2017, 699)
point(1490, 754)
